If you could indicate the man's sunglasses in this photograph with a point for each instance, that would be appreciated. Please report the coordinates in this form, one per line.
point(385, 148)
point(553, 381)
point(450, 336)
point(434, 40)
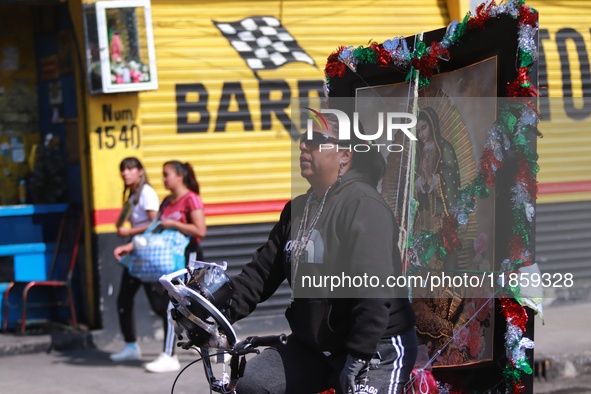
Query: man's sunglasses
point(318, 139)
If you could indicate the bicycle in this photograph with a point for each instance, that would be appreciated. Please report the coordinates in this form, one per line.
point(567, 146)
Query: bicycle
point(227, 384)
point(197, 294)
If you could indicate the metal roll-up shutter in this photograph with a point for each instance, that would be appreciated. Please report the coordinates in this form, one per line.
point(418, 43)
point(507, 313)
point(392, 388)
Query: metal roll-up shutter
point(235, 244)
point(563, 239)
point(563, 219)
point(565, 94)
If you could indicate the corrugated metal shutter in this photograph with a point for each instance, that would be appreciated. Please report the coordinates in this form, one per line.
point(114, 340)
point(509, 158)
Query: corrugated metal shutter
point(563, 224)
point(563, 236)
point(565, 95)
point(235, 245)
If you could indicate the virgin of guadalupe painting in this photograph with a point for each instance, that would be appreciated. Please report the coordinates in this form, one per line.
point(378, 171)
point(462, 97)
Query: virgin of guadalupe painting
point(437, 173)
point(454, 113)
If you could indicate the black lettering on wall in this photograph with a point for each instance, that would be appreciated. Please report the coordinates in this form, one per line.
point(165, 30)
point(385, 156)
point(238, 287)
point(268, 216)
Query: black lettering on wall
point(124, 114)
point(567, 90)
point(184, 108)
point(543, 101)
point(107, 112)
point(233, 91)
point(278, 107)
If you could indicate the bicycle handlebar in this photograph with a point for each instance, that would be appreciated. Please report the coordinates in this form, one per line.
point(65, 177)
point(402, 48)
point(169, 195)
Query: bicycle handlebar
point(268, 340)
point(250, 344)
point(240, 349)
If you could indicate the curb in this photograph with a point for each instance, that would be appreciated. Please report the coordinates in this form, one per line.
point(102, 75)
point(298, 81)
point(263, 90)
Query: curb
point(68, 339)
point(13, 344)
point(563, 366)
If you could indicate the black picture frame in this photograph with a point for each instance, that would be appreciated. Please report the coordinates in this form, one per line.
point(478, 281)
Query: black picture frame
point(499, 38)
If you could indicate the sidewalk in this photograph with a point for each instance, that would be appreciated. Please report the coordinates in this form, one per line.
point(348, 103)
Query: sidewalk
point(72, 363)
point(563, 346)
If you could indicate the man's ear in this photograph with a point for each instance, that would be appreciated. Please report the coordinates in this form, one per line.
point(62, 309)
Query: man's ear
point(347, 157)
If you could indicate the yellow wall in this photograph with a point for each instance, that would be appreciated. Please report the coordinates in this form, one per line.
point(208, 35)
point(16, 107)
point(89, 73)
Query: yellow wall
point(199, 68)
point(235, 166)
point(565, 42)
point(564, 70)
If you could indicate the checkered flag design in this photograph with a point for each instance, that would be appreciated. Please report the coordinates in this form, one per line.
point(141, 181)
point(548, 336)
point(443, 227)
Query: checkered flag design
point(263, 42)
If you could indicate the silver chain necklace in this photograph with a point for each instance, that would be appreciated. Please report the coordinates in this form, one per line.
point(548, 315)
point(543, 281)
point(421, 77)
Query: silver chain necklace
point(304, 232)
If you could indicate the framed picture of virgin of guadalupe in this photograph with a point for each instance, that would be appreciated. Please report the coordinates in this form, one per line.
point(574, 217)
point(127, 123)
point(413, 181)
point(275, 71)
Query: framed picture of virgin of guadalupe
point(454, 113)
point(451, 189)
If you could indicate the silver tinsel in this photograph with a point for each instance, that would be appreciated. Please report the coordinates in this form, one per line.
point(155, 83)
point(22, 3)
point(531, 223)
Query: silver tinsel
point(495, 11)
point(529, 117)
point(515, 343)
point(495, 146)
point(398, 50)
point(326, 88)
point(530, 211)
point(497, 142)
point(520, 194)
point(519, 351)
point(512, 338)
point(462, 218)
point(446, 42)
point(411, 257)
point(494, 132)
point(467, 203)
point(444, 388)
point(461, 214)
point(526, 255)
point(506, 265)
point(511, 8)
point(526, 40)
point(346, 57)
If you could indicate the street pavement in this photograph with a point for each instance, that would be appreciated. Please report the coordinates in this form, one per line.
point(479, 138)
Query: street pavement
point(563, 344)
point(90, 371)
point(563, 347)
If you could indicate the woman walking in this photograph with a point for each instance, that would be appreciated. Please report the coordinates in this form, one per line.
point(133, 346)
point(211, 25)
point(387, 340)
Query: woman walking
point(181, 210)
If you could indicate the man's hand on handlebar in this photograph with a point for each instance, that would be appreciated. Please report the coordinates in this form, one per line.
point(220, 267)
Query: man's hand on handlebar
point(250, 344)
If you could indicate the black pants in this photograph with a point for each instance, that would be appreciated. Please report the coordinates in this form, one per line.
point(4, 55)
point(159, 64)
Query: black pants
point(295, 368)
point(157, 297)
point(128, 288)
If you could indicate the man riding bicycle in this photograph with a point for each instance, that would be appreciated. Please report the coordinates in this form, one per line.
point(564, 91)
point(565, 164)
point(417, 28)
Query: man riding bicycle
point(354, 340)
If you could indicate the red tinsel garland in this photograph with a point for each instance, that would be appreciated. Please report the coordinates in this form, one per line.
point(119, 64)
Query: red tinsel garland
point(482, 16)
point(383, 56)
point(516, 247)
point(527, 17)
point(449, 234)
point(514, 313)
point(521, 86)
point(525, 176)
point(518, 387)
point(438, 51)
point(516, 89)
point(487, 162)
point(427, 63)
point(333, 66)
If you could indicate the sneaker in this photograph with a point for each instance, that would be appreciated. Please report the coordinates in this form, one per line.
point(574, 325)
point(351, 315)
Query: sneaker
point(164, 363)
point(130, 352)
